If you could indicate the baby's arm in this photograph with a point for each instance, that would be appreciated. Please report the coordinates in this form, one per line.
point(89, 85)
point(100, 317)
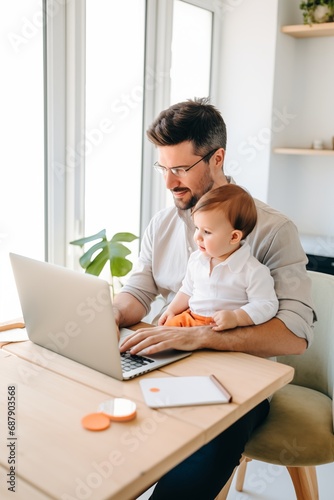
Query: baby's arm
point(226, 320)
point(179, 304)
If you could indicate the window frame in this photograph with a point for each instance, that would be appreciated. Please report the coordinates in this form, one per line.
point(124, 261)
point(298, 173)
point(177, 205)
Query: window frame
point(64, 41)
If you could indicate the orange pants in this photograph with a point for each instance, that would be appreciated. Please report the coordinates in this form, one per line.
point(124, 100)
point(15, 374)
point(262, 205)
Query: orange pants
point(188, 318)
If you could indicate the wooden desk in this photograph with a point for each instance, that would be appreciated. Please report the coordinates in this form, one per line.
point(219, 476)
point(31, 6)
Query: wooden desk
point(7, 327)
point(57, 458)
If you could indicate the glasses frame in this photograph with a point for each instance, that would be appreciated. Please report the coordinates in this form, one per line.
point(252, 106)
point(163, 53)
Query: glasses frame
point(180, 171)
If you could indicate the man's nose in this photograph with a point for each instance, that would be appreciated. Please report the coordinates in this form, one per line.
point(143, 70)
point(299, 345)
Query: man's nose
point(171, 180)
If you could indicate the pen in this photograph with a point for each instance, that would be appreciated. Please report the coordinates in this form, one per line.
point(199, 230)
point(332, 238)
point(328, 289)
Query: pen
point(221, 387)
point(11, 326)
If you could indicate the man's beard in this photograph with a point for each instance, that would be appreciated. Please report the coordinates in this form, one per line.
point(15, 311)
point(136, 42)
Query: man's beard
point(194, 199)
point(185, 206)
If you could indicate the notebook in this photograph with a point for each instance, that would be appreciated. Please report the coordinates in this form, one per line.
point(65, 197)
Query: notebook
point(71, 313)
point(183, 391)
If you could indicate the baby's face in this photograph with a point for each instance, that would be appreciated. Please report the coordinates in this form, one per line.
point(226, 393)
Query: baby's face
point(214, 234)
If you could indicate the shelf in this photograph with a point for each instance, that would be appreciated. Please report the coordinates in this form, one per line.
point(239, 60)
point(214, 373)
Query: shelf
point(307, 31)
point(304, 151)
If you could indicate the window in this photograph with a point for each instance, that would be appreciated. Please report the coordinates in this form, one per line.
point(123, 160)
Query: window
point(110, 68)
point(22, 145)
point(115, 36)
point(190, 72)
point(191, 52)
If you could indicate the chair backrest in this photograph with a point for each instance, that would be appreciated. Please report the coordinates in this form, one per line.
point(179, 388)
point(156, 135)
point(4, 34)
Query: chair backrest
point(315, 368)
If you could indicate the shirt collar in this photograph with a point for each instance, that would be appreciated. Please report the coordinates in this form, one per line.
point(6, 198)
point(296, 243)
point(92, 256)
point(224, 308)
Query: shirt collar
point(235, 261)
point(238, 259)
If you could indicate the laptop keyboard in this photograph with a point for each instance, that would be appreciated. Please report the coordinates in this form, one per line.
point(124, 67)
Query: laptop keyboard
point(131, 361)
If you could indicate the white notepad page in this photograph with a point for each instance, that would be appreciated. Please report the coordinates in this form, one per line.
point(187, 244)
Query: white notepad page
point(183, 391)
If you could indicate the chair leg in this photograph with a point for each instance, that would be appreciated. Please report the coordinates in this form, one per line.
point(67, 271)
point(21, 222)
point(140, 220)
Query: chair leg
point(305, 482)
point(222, 495)
point(241, 473)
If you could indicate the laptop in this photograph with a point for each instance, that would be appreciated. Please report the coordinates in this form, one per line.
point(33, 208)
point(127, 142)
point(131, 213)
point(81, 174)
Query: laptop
point(70, 313)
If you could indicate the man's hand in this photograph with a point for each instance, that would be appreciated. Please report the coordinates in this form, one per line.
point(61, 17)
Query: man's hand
point(151, 340)
point(265, 340)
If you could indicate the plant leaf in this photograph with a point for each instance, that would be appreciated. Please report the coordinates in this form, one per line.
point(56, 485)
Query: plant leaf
point(113, 251)
point(120, 266)
point(86, 258)
point(127, 237)
point(117, 250)
point(82, 241)
point(97, 264)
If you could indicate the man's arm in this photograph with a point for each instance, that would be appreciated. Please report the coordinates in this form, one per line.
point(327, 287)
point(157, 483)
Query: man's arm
point(269, 339)
point(127, 309)
point(265, 340)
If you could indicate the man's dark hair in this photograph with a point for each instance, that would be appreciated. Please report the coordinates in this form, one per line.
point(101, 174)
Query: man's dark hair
point(192, 120)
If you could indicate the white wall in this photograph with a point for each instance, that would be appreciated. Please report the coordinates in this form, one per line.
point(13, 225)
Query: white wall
point(277, 91)
point(302, 186)
point(246, 90)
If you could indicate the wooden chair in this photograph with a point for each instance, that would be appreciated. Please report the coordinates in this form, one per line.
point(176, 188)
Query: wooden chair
point(298, 432)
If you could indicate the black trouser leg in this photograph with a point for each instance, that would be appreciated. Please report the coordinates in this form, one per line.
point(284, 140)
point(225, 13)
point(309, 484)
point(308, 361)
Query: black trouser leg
point(202, 475)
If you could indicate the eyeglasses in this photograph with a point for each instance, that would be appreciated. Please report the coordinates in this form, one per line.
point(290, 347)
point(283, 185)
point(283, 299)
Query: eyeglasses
point(180, 171)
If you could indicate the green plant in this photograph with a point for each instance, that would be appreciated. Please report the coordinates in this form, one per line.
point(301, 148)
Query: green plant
point(311, 12)
point(113, 251)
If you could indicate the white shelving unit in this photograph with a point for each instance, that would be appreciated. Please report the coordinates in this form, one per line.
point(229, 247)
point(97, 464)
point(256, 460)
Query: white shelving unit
point(304, 151)
point(302, 178)
point(307, 31)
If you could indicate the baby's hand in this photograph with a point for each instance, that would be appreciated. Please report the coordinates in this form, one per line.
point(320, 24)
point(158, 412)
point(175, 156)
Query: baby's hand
point(225, 320)
point(165, 316)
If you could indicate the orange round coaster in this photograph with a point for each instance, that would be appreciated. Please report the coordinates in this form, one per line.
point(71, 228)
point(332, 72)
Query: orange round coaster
point(118, 409)
point(95, 422)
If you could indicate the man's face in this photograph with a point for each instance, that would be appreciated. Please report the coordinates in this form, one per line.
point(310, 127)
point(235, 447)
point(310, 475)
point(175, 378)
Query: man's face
point(187, 190)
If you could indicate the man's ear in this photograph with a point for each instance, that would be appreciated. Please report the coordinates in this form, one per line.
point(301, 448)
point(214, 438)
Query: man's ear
point(219, 156)
point(236, 236)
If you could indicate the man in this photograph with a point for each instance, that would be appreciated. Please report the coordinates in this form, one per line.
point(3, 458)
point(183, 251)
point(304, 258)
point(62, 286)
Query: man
point(191, 142)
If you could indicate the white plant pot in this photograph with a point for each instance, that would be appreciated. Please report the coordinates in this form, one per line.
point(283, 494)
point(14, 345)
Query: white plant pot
point(321, 14)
